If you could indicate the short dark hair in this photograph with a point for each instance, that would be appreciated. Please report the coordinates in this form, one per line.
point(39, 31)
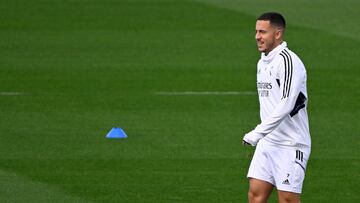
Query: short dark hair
point(275, 19)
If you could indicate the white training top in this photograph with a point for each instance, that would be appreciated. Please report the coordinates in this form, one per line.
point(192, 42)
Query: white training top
point(281, 84)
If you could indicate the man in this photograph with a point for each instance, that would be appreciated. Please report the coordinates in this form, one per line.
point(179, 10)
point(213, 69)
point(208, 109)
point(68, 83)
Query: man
point(282, 139)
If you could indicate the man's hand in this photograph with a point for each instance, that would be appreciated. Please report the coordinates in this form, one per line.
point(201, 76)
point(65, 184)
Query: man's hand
point(252, 138)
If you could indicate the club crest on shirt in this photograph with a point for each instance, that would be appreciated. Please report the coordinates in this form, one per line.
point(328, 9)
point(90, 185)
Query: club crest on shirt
point(265, 70)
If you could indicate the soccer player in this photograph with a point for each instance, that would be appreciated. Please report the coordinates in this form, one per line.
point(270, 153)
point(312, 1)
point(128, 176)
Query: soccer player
point(282, 139)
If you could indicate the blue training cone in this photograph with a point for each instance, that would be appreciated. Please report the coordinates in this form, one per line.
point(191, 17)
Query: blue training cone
point(116, 133)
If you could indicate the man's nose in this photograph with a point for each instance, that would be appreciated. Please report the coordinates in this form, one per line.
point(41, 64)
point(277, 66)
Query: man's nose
point(257, 36)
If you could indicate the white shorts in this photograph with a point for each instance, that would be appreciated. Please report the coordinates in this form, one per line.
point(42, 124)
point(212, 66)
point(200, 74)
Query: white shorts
point(282, 167)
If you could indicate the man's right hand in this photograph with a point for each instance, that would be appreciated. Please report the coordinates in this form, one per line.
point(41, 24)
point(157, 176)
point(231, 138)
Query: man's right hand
point(252, 138)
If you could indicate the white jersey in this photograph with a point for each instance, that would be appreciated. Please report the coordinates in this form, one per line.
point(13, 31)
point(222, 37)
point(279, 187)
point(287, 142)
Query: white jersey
point(281, 84)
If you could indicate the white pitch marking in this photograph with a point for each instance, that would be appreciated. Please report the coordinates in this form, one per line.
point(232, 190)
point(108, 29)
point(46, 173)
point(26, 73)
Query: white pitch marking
point(205, 93)
point(11, 93)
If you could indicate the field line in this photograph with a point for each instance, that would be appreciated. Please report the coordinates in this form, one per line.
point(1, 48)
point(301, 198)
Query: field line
point(11, 93)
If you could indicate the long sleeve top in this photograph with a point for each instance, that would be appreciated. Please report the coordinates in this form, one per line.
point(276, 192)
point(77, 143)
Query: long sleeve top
point(281, 84)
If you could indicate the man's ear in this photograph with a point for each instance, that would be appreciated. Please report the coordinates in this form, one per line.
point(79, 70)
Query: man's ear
point(279, 33)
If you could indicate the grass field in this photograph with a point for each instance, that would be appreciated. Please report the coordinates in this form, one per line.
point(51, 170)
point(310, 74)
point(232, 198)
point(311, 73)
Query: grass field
point(71, 70)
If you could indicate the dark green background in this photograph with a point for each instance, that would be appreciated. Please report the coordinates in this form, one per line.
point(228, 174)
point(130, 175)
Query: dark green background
point(71, 70)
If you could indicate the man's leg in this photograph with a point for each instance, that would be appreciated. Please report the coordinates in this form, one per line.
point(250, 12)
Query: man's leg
point(259, 191)
point(288, 197)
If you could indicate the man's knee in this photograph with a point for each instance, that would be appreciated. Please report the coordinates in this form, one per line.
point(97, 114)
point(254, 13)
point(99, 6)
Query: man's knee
point(288, 197)
point(255, 197)
point(259, 191)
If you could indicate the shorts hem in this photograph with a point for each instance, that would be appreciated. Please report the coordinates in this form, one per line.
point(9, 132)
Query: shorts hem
point(297, 191)
point(260, 178)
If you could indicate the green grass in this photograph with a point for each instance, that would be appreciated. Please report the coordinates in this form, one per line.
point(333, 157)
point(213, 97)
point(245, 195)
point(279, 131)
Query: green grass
point(329, 16)
point(82, 67)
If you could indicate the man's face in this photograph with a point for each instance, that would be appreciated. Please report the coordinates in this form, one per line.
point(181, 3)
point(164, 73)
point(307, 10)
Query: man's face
point(267, 36)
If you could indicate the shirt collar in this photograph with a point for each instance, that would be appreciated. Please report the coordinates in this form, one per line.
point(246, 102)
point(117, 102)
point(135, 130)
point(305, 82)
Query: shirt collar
point(268, 58)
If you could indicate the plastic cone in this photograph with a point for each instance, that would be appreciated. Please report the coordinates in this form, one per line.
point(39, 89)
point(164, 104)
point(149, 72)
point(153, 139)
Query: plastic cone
point(116, 133)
